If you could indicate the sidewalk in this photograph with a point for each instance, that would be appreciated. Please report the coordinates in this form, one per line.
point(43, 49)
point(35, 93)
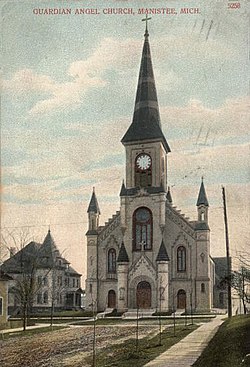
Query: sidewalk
point(15, 330)
point(187, 351)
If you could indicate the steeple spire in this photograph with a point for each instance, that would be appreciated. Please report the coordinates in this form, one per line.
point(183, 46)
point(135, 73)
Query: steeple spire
point(146, 119)
point(202, 198)
point(93, 205)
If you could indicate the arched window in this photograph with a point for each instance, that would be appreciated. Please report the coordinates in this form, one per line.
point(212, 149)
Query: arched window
point(111, 261)
point(143, 170)
point(181, 258)
point(142, 229)
point(202, 288)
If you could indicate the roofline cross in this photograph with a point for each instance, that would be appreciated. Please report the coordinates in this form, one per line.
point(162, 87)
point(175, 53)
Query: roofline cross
point(146, 20)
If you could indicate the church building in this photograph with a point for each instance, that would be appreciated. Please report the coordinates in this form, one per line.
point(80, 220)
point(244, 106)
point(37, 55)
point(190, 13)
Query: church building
point(148, 255)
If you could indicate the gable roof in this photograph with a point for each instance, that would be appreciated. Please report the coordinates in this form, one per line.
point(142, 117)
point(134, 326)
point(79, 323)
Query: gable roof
point(35, 256)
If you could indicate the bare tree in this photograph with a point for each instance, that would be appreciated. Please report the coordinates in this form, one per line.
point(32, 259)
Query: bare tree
point(26, 285)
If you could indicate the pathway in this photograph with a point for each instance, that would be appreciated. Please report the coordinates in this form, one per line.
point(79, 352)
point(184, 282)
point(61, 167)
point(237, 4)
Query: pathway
point(188, 350)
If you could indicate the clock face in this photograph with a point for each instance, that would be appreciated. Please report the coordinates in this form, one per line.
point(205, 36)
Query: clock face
point(143, 161)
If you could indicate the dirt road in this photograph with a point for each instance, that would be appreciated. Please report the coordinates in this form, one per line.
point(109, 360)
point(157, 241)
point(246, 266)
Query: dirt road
point(62, 348)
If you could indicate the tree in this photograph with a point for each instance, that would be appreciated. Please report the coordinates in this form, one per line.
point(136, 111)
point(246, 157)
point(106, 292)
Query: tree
point(24, 265)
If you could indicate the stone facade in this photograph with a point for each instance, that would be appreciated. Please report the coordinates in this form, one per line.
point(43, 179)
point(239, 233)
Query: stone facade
point(148, 255)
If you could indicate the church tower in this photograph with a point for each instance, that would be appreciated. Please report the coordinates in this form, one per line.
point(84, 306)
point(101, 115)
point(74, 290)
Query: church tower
point(144, 193)
point(146, 146)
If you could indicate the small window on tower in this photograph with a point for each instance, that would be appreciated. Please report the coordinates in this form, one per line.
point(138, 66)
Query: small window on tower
point(202, 216)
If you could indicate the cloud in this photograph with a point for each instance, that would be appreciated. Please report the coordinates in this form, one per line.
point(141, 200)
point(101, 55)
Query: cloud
point(84, 75)
point(202, 125)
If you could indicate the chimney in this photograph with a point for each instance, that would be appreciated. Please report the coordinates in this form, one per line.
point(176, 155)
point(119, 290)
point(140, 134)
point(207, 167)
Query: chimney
point(12, 251)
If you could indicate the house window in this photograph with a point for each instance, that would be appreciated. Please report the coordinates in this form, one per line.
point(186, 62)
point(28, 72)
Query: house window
point(73, 283)
point(45, 297)
point(1, 306)
point(39, 280)
point(59, 281)
point(142, 229)
point(202, 288)
point(39, 298)
point(112, 261)
point(45, 280)
point(181, 259)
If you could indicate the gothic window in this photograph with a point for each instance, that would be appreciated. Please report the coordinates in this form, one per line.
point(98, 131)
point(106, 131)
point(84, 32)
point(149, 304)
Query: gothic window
point(143, 170)
point(112, 261)
point(181, 259)
point(142, 229)
point(202, 288)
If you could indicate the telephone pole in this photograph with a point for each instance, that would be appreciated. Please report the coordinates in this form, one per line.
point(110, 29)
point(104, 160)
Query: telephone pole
point(229, 297)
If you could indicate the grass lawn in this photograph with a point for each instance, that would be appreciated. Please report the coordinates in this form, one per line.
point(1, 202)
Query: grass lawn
point(125, 354)
point(229, 346)
point(30, 332)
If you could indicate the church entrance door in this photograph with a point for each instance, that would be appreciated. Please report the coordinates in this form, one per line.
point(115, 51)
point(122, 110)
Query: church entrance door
point(143, 295)
point(111, 299)
point(181, 299)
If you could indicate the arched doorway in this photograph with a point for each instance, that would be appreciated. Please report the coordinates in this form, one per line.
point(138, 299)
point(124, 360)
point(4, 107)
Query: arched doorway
point(143, 295)
point(111, 299)
point(181, 299)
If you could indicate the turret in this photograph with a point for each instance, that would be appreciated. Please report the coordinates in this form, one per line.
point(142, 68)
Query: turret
point(93, 214)
point(202, 204)
point(162, 261)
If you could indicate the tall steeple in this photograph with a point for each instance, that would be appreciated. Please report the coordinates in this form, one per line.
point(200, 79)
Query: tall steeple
point(146, 122)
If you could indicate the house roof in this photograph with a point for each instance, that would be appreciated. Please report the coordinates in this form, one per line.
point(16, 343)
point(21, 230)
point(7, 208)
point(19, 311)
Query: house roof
point(146, 124)
point(36, 255)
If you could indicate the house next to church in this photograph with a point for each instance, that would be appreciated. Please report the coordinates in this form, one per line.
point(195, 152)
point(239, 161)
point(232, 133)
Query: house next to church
point(148, 255)
point(55, 283)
